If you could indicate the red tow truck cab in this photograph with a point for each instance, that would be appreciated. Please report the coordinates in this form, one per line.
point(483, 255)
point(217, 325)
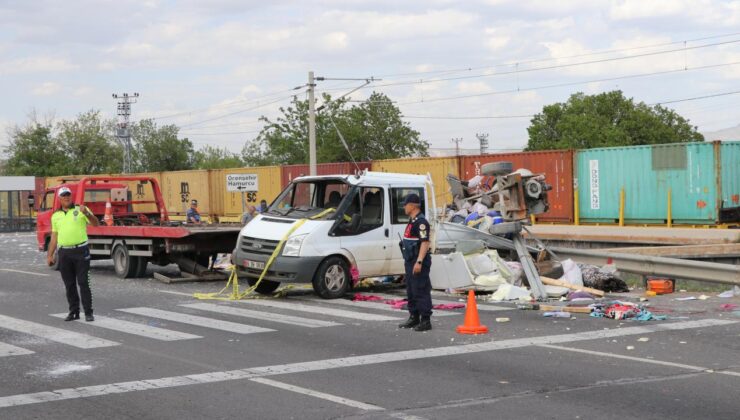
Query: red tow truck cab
point(141, 232)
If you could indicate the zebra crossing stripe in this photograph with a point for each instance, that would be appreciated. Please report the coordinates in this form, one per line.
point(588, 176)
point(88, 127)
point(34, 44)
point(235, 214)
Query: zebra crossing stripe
point(377, 305)
point(9, 350)
point(273, 317)
point(136, 328)
point(196, 320)
point(481, 306)
point(59, 335)
point(322, 310)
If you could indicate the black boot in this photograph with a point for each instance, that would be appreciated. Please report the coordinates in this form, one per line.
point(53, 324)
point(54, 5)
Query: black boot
point(424, 325)
point(72, 316)
point(89, 317)
point(411, 322)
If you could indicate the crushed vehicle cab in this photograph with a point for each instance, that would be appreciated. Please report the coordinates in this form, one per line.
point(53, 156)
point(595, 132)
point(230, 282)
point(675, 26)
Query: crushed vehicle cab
point(347, 227)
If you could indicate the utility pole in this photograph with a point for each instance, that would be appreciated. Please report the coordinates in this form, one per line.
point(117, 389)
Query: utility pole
point(457, 142)
point(483, 139)
point(122, 132)
point(311, 126)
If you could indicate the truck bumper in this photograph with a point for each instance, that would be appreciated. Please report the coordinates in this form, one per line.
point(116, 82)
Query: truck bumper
point(282, 269)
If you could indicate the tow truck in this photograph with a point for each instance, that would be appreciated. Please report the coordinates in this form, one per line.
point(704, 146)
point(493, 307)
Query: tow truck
point(141, 231)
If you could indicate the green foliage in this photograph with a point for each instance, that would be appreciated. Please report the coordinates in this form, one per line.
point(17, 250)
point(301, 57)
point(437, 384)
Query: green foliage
point(373, 130)
point(210, 157)
point(159, 148)
point(33, 151)
point(606, 120)
point(88, 145)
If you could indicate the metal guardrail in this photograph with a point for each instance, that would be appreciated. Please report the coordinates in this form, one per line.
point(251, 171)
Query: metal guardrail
point(657, 266)
point(17, 224)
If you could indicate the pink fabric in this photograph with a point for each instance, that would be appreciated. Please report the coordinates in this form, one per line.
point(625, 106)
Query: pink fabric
point(401, 303)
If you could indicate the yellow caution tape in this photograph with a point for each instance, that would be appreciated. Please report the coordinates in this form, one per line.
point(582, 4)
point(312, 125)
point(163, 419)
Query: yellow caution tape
point(327, 211)
point(233, 280)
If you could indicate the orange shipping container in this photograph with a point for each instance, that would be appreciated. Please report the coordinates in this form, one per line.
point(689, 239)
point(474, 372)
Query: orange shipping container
point(290, 172)
point(557, 165)
point(439, 168)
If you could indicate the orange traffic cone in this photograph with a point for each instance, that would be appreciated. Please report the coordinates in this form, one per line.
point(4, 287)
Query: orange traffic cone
point(108, 216)
point(472, 323)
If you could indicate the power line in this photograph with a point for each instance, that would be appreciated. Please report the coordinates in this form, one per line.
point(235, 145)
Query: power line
point(228, 104)
point(538, 60)
point(238, 112)
point(608, 79)
point(491, 117)
point(553, 67)
point(223, 133)
point(696, 98)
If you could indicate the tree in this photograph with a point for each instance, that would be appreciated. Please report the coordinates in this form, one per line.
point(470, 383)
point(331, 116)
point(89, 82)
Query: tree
point(605, 120)
point(159, 148)
point(88, 145)
point(373, 130)
point(210, 157)
point(33, 151)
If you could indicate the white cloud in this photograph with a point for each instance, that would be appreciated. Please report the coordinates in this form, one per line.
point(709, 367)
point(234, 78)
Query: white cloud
point(473, 87)
point(46, 89)
point(35, 65)
point(335, 41)
point(639, 9)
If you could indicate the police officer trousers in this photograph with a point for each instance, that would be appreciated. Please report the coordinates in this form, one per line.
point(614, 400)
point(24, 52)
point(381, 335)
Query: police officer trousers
point(419, 288)
point(74, 265)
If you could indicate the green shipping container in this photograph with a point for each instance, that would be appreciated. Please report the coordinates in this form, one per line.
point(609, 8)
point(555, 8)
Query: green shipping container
point(730, 161)
point(647, 173)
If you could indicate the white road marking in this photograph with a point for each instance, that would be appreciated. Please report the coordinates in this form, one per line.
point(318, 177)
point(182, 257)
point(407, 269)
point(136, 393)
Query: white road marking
point(435, 301)
point(342, 362)
point(619, 356)
point(196, 320)
point(136, 328)
point(176, 293)
point(24, 272)
point(267, 316)
point(317, 394)
point(59, 335)
point(641, 359)
point(299, 307)
point(378, 305)
point(10, 350)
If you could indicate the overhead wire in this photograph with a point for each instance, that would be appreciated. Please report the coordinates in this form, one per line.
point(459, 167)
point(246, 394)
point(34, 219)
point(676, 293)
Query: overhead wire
point(545, 59)
point(552, 67)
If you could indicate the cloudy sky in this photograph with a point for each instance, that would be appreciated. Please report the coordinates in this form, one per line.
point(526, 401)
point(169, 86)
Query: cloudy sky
point(213, 67)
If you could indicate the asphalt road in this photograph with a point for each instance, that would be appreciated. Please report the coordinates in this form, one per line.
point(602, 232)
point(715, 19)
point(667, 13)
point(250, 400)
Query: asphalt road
point(155, 352)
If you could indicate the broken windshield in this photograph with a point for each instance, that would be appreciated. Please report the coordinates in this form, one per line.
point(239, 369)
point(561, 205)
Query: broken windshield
point(316, 199)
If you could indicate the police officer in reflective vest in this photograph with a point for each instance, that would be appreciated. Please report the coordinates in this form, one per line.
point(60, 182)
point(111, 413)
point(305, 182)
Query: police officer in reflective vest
point(417, 261)
point(69, 234)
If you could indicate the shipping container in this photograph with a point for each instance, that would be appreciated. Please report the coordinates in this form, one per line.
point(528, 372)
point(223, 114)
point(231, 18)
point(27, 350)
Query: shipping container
point(730, 173)
point(260, 183)
point(179, 187)
point(647, 174)
point(439, 168)
point(143, 191)
point(290, 172)
point(557, 165)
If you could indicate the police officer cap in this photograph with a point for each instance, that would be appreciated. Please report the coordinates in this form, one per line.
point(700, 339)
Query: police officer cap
point(412, 198)
point(64, 191)
point(194, 202)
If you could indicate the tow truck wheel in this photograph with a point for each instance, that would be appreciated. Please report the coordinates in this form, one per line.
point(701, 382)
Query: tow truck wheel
point(124, 264)
point(332, 279)
point(141, 267)
point(265, 287)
